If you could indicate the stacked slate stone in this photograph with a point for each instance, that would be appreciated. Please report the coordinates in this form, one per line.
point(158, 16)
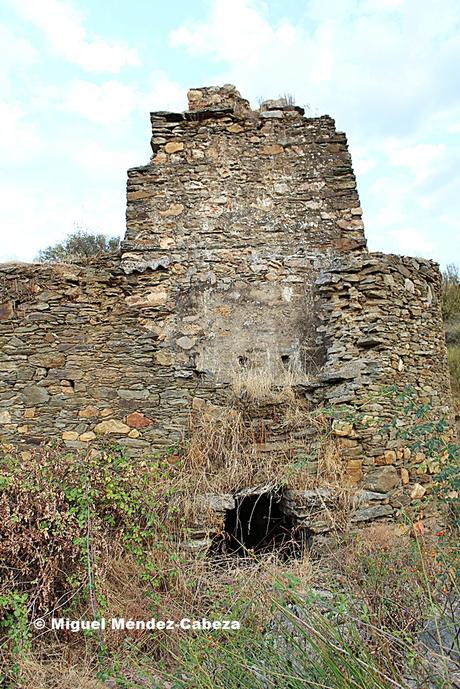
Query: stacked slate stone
point(244, 249)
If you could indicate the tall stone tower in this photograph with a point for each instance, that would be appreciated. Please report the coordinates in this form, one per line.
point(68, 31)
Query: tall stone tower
point(247, 206)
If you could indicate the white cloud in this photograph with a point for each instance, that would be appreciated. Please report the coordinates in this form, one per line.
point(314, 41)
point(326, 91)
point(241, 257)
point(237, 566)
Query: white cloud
point(19, 139)
point(385, 70)
point(105, 103)
point(379, 67)
point(111, 102)
point(362, 164)
point(162, 93)
point(217, 36)
point(64, 29)
point(16, 56)
point(97, 159)
point(15, 50)
point(383, 5)
point(40, 219)
point(422, 160)
point(407, 241)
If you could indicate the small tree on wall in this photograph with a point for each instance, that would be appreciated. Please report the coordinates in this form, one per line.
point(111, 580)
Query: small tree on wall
point(77, 246)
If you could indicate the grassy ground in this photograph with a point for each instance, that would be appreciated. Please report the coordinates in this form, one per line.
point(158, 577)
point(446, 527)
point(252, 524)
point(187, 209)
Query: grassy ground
point(358, 628)
point(100, 537)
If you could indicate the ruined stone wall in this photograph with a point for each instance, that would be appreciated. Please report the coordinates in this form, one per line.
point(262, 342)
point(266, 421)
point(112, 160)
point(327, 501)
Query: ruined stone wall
point(220, 178)
point(89, 353)
point(244, 249)
point(382, 327)
point(77, 364)
point(239, 208)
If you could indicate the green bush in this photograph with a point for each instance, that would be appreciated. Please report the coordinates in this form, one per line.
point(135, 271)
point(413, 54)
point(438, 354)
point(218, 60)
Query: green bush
point(451, 293)
point(78, 246)
point(61, 513)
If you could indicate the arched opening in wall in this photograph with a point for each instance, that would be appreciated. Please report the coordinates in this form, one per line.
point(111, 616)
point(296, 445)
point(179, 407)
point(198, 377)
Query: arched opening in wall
point(258, 523)
point(286, 360)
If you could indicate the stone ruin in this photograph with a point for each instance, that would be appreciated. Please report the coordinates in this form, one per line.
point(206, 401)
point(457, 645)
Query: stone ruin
point(244, 249)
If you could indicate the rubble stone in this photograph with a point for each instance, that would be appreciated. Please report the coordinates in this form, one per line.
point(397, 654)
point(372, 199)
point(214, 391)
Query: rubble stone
point(244, 251)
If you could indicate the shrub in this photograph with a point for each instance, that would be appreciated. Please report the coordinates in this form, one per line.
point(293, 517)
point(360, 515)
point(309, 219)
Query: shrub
point(78, 246)
point(61, 514)
point(451, 293)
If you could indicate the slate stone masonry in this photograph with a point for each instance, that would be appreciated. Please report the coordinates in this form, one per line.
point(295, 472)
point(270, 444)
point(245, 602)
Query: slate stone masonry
point(244, 246)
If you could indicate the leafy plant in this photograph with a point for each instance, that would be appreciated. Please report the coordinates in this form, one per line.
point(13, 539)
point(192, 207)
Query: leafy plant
point(79, 245)
point(59, 514)
point(14, 626)
point(451, 293)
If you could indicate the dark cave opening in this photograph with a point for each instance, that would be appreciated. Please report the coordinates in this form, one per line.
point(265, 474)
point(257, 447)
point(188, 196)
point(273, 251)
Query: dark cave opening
point(257, 523)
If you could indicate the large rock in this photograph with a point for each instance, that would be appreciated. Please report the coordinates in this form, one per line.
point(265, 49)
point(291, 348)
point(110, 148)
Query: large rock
point(112, 426)
point(34, 394)
point(138, 420)
point(381, 480)
point(48, 360)
point(367, 514)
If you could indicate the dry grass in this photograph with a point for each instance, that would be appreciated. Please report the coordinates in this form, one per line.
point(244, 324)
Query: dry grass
point(63, 673)
point(259, 445)
point(227, 450)
point(267, 436)
point(189, 587)
point(264, 384)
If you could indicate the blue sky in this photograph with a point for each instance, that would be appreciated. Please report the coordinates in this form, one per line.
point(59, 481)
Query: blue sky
point(78, 79)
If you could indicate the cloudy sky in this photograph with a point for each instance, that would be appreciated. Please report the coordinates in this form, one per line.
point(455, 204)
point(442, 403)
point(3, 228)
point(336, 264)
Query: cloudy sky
point(78, 79)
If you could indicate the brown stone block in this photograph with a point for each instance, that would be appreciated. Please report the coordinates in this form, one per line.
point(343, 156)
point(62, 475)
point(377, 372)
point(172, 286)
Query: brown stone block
point(418, 491)
point(174, 147)
point(272, 149)
point(6, 311)
point(164, 358)
point(50, 359)
point(354, 471)
point(88, 412)
point(389, 457)
point(173, 210)
point(135, 195)
point(138, 420)
point(155, 296)
point(70, 435)
point(235, 128)
point(405, 476)
point(87, 437)
point(112, 426)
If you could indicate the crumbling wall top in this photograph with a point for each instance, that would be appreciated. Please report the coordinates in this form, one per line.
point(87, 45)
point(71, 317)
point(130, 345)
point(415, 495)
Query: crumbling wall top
point(218, 97)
